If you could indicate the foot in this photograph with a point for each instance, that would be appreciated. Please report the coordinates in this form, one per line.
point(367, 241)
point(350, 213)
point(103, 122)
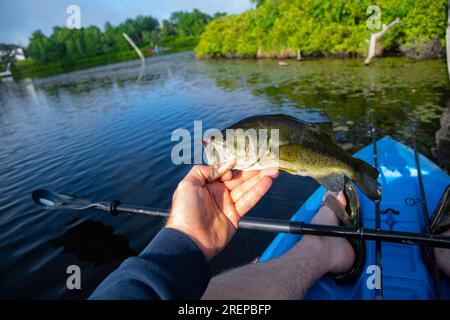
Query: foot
point(338, 253)
point(443, 257)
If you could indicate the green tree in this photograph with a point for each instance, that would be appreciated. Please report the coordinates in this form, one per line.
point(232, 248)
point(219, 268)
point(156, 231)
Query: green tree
point(190, 23)
point(73, 44)
point(276, 28)
point(168, 29)
point(257, 3)
point(92, 39)
point(38, 46)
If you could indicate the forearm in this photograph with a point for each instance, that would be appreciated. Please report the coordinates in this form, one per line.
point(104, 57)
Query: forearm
point(171, 267)
point(287, 277)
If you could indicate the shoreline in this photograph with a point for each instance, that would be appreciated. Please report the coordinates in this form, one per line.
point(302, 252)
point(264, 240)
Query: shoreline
point(29, 69)
point(62, 67)
point(340, 55)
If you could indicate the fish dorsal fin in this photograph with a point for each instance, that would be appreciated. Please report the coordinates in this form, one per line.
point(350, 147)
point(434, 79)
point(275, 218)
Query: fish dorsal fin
point(322, 127)
point(326, 127)
point(333, 182)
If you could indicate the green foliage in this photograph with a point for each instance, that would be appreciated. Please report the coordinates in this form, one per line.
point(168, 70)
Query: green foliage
point(168, 29)
point(190, 23)
point(72, 45)
point(173, 44)
point(278, 28)
point(257, 3)
point(30, 68)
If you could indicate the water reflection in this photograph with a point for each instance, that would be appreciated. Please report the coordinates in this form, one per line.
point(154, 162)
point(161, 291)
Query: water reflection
point(141, 71)
point(397, 90)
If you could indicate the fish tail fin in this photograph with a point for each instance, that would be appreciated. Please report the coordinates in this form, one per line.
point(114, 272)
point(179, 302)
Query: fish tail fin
point(365, 178)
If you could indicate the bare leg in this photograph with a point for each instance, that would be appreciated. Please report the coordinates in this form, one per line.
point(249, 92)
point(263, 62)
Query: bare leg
point(443, 257)
point(291, 275)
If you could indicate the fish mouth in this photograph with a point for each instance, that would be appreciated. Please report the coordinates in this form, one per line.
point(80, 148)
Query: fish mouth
point(210, 153)
point(216, 154)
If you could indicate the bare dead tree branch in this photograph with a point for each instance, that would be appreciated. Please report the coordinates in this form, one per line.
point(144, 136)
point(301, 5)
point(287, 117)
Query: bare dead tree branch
point(131, 42)
point(375, 36)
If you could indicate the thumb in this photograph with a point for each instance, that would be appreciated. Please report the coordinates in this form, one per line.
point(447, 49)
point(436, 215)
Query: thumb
point(202, 174)
point(198, 175)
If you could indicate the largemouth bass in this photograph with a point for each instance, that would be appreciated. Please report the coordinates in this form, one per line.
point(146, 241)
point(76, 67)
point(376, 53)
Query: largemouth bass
point(294, 146)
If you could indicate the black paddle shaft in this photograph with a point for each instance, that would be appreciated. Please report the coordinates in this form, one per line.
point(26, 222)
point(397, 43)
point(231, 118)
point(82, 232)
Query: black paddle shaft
point(275, 225)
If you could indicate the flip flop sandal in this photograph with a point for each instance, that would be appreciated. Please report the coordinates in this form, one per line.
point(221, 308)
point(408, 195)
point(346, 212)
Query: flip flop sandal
point(439, 223)
point(350, 217)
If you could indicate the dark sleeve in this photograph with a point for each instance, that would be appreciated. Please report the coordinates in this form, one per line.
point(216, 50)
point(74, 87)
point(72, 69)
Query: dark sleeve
point(170, 267)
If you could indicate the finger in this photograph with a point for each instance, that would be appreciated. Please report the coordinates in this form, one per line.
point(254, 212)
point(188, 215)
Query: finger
point(217, 171)
point(270, 172)
point(198, 175)
point(242, 189)
point(251, 198)
point(227, 176)
point(239, 177)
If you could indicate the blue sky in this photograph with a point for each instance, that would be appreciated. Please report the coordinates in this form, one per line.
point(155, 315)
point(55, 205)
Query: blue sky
point(19, 18)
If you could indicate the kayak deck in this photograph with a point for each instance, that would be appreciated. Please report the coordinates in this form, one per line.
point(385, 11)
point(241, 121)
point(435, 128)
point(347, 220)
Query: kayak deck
point(404, 275)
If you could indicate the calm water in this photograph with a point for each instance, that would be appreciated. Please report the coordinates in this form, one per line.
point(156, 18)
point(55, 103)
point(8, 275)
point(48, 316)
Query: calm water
point(104, 134)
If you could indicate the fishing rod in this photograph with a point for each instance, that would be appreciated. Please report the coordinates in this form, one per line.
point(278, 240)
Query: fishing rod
point(378, 248)
point(426, 217)
point(50, 200)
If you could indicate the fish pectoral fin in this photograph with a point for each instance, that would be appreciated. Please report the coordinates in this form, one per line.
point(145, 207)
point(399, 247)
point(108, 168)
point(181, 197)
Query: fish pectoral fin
point(333, 182)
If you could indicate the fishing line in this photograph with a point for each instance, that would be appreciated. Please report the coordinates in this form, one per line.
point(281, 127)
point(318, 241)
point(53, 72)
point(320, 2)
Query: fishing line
point(426, 218)
point(378, 248)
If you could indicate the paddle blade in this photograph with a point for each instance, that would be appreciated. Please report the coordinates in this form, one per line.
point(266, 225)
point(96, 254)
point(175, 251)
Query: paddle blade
point(50, 200)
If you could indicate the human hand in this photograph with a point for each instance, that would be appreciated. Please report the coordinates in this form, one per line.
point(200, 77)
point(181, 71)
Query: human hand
point(209, 213)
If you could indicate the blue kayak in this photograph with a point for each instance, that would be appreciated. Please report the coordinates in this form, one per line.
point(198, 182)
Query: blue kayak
point(404, 275)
